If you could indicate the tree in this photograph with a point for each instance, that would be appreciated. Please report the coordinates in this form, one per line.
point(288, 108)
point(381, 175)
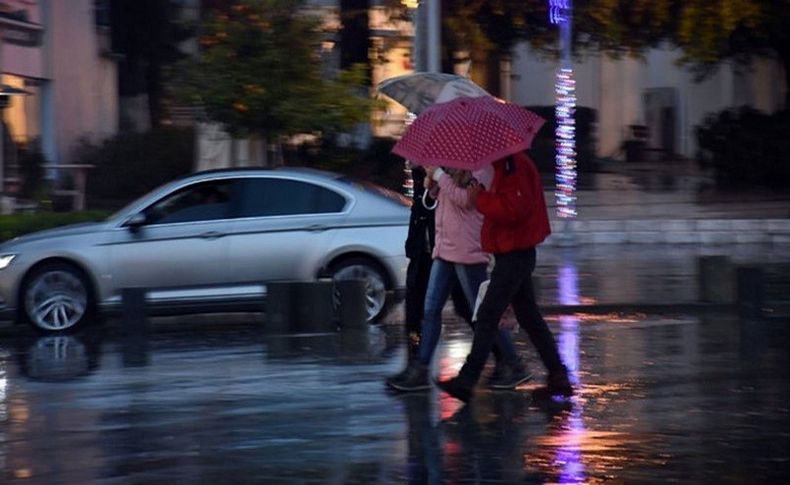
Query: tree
point(146, 33)
point(707, 31)
point(259, 73)
point(488, 30)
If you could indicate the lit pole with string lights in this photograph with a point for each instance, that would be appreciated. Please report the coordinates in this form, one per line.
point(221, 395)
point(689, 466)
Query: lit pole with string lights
point(561, 14)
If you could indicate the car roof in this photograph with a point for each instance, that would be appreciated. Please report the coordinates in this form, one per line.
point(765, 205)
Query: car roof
point(222, 172)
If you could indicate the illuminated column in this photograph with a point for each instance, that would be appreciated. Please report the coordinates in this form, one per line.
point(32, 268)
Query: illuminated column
point(560, 14)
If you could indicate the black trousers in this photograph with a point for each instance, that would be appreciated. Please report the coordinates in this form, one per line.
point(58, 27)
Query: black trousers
point(511, 283)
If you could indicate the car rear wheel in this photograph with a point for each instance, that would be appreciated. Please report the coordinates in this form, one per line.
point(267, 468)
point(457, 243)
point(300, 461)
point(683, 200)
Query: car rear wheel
point(375, 283)
point(56, 298)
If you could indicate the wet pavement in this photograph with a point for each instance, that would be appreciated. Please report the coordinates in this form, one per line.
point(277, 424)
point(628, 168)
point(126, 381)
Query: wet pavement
point(678, 396)
point(687, 398)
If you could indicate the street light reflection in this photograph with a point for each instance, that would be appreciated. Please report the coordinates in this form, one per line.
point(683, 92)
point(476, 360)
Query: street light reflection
point(3, 391)
point(569, 456)
point(613, 317)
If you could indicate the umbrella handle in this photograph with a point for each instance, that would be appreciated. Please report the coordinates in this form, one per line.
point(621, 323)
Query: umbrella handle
point(425, 203)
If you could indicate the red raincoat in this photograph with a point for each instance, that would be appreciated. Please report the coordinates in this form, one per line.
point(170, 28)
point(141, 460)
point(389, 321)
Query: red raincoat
point(514, 210)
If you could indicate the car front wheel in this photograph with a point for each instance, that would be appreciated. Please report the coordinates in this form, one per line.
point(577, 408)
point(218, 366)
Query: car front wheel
point(375, 283)
point(55, 298)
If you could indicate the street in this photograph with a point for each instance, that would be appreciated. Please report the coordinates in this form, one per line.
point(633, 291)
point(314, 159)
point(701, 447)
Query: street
point(682, 398)
point(670, 395)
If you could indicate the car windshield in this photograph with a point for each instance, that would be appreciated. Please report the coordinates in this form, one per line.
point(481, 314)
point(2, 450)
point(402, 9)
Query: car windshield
point(370, 187)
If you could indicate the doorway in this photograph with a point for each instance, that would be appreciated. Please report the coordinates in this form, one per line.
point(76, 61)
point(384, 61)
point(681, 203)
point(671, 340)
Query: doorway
point(661, 118)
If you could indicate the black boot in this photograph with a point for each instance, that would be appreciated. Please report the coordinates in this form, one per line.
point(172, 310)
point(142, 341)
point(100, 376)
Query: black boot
point(457, 387)
point(412, 355)
point(412, 345)
point(558, 383)
point(414, 378)
point(508, 376)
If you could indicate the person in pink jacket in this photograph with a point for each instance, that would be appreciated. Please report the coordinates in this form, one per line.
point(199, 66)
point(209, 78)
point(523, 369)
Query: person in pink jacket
point(457, 252)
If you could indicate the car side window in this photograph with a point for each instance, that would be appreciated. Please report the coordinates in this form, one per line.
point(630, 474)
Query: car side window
point(203, 201)
point(277, 197)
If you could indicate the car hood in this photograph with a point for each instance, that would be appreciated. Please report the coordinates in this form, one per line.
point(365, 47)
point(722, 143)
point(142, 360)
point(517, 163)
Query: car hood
point(70, 230)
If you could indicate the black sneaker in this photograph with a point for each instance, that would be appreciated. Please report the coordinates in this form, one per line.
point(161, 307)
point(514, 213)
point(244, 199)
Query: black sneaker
point(414, 378)
point(558, 384)
point(509, 376)
point(456, 388)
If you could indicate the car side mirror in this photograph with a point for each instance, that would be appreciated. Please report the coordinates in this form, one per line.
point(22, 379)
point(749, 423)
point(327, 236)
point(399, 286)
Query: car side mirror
point(137, 221)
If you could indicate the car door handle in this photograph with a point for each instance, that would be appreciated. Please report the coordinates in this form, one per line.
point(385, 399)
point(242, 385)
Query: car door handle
point(316, 228)
point(212, 235)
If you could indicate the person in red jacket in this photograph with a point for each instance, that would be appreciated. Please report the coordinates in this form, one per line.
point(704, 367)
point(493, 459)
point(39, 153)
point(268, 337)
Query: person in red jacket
point(515, 220)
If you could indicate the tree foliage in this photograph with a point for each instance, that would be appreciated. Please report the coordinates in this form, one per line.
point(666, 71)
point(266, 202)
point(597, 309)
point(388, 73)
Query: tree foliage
point(147, 34)
point(260, 72)
point(707, 31)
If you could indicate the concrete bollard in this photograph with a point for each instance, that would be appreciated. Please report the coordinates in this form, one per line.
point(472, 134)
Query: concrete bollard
point(352, 309)
point(751, 291)
point(302, 306)
point(716, 279)
point(314, 309)
point(134, 321)
point(134, 314)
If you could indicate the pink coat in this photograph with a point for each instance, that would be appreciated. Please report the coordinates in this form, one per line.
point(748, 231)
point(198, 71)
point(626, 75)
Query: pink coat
point(458, 224)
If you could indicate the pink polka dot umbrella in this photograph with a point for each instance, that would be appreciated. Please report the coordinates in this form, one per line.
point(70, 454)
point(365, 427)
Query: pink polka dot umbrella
point(468, 133)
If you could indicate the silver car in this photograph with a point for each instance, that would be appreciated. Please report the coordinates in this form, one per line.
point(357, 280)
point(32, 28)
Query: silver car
point(210, 242)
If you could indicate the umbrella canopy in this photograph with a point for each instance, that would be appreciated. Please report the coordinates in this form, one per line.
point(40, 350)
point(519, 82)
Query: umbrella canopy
point(468, 133)
point(420, 90)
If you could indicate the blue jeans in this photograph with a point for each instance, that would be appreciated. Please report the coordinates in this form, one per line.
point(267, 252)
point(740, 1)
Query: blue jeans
point(470, 276)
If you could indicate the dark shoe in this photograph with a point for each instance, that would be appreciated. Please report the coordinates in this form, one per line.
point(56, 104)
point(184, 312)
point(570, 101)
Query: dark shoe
point(456, 388)
point(412, 354)
point(400, 375)
point(558, 384)
point(509, 376)
point(414, 378)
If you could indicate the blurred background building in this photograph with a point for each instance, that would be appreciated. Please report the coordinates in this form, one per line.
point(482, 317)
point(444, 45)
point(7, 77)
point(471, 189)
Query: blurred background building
point(59, 53)
point(651, 97)
point(81, 70)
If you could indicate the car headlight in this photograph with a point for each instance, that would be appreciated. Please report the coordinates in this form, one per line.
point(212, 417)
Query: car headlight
point(6, 259)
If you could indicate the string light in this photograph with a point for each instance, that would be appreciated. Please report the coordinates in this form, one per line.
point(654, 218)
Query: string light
point(561, 13)
point(408, 182)
point(565, 136)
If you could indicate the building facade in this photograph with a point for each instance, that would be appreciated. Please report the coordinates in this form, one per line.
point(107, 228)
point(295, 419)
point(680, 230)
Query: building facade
point(59, 54)
point(652, 92)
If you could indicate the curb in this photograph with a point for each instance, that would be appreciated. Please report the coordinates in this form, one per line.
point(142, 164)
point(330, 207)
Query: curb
point(669, 231)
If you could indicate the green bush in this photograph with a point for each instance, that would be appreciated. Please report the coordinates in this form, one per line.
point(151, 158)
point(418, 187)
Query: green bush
point(130, 164)
point(15, 225)
point(746, 148)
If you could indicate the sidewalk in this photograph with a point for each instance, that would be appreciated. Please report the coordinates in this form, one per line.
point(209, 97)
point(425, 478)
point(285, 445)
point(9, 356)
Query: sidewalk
point(674, 203)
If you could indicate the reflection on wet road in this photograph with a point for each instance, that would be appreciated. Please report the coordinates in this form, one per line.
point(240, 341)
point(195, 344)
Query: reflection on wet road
point(697, 398)
point(683, 398)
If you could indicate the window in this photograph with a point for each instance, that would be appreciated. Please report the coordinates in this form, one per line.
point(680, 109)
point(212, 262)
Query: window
point(276, 197)
point(199, 202)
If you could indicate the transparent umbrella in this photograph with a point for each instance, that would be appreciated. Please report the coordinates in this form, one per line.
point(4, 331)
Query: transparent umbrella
point(420, 90)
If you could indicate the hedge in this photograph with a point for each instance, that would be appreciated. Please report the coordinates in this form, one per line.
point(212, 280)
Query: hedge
point(15, 225)
point(746, 148)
